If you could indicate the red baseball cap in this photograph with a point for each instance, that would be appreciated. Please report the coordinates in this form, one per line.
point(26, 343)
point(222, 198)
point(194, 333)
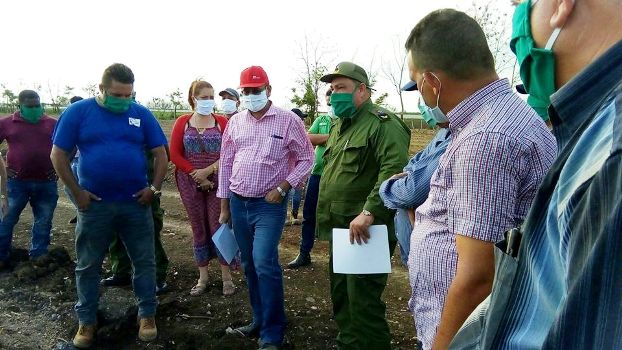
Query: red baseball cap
point(253, 76)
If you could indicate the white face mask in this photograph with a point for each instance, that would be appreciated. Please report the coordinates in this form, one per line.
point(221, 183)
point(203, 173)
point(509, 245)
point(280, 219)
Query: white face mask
point(229, 106)
point(205, 107)
point(331, 112)
point(254, 103)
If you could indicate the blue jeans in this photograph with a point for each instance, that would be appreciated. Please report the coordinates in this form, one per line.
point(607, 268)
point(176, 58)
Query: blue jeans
point(296, 195)
point(42, 196)
point(258, 226)
point(308, 213)
point(97, 227)
point(403, 229)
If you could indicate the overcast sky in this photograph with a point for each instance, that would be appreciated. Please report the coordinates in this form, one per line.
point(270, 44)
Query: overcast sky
point(169, 43)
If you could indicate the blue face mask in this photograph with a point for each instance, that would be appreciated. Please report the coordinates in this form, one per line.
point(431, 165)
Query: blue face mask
point(205, 107)
point(255, 103)
point(434, 115)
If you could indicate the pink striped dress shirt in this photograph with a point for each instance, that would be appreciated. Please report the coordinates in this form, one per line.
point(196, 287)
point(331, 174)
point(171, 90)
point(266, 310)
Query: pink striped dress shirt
point(257, 155)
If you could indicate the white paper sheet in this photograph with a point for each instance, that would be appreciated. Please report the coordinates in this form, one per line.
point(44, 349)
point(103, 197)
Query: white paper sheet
point(369, 258)
point(225, 243)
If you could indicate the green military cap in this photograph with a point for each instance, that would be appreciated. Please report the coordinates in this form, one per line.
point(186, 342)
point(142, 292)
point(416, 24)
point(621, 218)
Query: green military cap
point(348, 70)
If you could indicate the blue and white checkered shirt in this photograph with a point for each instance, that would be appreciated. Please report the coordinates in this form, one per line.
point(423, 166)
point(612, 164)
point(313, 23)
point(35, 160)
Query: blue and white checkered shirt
point(484, 185)
point(562, 290)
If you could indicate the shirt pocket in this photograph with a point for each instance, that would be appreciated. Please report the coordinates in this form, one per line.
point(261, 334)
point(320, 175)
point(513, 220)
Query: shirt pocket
point(506, 267)
point(274, 148)
point(353, 154)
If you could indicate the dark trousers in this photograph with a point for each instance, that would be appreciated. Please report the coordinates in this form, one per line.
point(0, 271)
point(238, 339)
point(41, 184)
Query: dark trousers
point(308, 213)
point(359, 310)
point(120, 261)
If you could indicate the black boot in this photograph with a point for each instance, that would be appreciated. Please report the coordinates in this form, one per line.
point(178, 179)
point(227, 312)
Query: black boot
point(301, 260)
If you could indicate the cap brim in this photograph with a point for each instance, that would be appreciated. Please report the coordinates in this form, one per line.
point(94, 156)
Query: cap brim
point(520, 88)
point(410, 86)
point(252, 85)
point(329, 77)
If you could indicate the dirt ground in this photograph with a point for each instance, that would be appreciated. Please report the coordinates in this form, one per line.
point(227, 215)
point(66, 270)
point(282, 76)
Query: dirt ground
point(36, 301)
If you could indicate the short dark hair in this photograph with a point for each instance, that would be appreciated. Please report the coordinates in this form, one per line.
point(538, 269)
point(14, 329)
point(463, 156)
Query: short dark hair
point(26, 94)
point(75, 99)
point(329, 92)
point(117, 72)
point(452, 42)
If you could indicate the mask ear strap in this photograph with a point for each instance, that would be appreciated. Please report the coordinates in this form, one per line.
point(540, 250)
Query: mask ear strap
point(440, 86)
point(553, 38)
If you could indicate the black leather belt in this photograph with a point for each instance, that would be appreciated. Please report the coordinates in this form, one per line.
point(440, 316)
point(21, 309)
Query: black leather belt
point(242, 198)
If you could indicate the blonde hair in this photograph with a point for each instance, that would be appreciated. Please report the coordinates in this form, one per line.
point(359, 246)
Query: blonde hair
point(196, 86)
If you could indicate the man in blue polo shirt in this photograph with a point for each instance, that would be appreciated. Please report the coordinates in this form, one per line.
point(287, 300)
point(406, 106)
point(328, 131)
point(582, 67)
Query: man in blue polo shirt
point(113, 194)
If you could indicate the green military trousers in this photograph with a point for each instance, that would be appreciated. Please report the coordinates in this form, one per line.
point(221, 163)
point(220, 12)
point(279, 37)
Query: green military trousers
point(359, 310)
point(121, 265)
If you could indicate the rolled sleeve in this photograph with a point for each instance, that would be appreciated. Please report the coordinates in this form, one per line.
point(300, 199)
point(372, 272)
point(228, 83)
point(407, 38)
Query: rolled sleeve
point(154, 135)
point(300, 153)
point(481, 203)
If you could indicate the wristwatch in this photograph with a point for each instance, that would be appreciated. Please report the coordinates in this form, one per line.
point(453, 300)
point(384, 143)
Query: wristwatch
point(366, 212)
point(157, 193)
point(281, 191)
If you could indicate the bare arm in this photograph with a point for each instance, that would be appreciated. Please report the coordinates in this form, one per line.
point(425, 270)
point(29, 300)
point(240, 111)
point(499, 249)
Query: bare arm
point(61, 162)
point(471, 285)
point(318, 139)
point(3, 177)
point(4, 200)
point(160, 165)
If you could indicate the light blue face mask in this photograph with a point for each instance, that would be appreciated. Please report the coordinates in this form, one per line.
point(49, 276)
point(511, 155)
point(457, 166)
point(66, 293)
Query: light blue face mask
point(229, 106)
point(255, 103)
point(432, 116)
point(205, 107)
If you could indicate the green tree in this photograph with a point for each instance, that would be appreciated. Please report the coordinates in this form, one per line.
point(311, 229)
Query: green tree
point(10, 100)
point(306, 93)
point(176, 100)
point(9, 97)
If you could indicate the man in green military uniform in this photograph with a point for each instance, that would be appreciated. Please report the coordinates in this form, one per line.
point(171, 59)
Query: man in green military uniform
point(367, 145)
point(120, 264)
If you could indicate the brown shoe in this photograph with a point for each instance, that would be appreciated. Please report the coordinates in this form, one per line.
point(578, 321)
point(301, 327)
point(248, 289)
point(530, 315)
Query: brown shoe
point(148, 330)
point(85, 337)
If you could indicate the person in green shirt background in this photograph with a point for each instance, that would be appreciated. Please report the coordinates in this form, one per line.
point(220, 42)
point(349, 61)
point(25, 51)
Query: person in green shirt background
point(367, 145)
point(318, 134)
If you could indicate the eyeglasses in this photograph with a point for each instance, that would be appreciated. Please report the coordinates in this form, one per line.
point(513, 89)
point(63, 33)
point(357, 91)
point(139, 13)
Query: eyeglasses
point(252, 91)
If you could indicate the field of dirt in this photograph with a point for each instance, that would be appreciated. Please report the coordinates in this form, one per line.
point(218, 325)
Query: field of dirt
point(36, 301)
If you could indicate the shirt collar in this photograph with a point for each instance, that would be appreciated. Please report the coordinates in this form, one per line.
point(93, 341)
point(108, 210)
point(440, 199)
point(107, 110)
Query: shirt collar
point(462, 114)
point(583, 94)
point(347, 122)
point(270, 112)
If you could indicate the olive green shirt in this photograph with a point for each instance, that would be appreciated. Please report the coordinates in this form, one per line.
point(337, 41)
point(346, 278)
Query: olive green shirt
point(361, 153)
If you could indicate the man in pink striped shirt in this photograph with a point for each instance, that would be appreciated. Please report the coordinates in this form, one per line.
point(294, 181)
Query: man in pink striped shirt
point(265, 152)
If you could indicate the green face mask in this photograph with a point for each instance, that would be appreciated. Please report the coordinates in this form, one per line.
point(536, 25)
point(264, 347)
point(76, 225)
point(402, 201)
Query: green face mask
point(117, 104)
point(537, 66)
point(343, 104)
point(31, 114)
